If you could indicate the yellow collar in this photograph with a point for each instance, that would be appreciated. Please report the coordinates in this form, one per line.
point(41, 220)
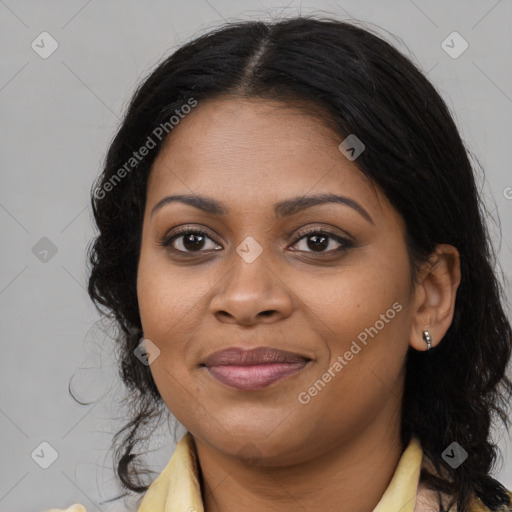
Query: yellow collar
point(177, 487)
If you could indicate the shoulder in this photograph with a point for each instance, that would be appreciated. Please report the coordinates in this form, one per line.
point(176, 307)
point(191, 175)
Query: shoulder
point(73, 508)
point(427, 501)
point(479, 506)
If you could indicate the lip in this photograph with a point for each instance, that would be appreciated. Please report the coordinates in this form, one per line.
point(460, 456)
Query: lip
point(254, 369)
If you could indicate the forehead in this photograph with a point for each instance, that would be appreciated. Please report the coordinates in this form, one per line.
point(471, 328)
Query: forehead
point(249, 151)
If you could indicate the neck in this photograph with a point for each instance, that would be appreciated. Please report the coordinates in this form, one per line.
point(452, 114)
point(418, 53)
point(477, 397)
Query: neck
point(350, 476)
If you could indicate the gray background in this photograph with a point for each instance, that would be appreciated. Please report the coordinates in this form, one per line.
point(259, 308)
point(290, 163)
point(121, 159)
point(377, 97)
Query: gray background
point(58, 116)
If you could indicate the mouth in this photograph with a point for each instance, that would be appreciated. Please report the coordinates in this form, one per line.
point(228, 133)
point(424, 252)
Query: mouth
point(251, 370)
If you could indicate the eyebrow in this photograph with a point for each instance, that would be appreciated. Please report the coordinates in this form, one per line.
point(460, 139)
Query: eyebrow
point(282, 209)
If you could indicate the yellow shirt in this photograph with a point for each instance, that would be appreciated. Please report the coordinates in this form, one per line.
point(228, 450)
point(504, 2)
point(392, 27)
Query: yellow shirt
point(177, 487)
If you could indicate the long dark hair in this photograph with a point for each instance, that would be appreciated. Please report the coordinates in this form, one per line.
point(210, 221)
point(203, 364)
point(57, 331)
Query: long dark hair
point(362, 85)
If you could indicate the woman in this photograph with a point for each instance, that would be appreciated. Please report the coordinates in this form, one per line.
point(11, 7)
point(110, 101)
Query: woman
point(292, 244)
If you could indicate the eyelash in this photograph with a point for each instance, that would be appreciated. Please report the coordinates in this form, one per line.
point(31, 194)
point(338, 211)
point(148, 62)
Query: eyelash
point(345, 242)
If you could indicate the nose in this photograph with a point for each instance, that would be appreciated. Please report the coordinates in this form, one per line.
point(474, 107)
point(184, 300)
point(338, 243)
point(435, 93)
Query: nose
point(252, 293)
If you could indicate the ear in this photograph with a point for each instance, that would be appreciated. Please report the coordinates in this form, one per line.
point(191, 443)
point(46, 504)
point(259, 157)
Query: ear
point(434, 296)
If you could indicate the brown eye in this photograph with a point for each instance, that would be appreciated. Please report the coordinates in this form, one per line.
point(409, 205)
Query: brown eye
point(317, 240)
point(189, 240)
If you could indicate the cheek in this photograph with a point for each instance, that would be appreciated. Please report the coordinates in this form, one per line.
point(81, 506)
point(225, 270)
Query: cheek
point(363, 375)
point(164, 296)
point(364, 312)
point(177, 394)
point(171, 306)
point(365, 300)
point(166, 307)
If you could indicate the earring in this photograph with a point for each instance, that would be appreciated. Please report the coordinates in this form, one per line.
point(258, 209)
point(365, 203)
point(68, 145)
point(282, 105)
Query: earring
point(427, 339)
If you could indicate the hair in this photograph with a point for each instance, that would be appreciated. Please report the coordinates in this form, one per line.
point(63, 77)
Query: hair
point(359, 84)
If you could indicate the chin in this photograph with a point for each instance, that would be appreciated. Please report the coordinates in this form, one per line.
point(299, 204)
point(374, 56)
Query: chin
point(260, 445)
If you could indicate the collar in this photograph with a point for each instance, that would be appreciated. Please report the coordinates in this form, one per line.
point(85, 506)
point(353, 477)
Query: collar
point(178, 488)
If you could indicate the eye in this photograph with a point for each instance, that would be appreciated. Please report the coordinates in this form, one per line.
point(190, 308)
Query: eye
point(193, 240)
point(319, 239)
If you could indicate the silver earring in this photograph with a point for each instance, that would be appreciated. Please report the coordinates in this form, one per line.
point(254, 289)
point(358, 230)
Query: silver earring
point(427, 339)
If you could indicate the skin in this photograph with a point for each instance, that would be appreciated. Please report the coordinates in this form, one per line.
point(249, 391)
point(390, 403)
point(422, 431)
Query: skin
point(264, 450)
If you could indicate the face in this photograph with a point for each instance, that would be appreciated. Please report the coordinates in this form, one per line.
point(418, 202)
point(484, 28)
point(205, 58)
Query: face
point(329, 283)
